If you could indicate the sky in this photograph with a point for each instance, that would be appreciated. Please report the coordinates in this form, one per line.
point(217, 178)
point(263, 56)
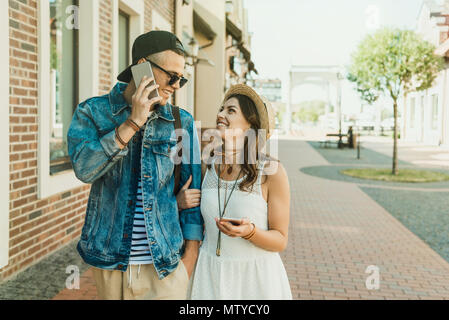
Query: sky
point(318, 32)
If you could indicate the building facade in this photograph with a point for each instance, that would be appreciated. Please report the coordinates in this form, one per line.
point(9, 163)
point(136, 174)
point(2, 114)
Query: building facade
point(61, 52)
point(269, 88)
point(57, 53)
point(425, 115)
point(239, 66)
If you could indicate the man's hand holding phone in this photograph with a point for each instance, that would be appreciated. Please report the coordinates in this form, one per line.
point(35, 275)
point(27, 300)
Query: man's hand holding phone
point(141, 105)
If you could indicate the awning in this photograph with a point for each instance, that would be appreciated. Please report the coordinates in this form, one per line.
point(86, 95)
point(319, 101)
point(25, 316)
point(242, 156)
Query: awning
point(246, 53)
point(201, 26)
point(233, 30)
point(251, 67)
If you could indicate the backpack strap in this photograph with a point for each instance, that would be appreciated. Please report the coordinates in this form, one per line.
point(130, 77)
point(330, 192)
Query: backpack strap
point(177, 171)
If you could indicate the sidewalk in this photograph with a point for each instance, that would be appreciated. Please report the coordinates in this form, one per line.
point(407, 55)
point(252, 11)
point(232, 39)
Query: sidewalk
point(336, 232)
point(87, 290)
point(413, 152)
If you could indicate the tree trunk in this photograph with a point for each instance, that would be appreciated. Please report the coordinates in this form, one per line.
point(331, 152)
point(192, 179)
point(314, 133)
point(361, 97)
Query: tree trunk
point(395, 138)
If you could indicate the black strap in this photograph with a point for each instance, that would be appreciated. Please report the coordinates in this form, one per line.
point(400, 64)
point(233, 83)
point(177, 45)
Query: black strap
point(177, 125)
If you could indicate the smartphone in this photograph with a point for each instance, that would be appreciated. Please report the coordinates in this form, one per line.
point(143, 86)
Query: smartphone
point(234, 221)
point(141, 70)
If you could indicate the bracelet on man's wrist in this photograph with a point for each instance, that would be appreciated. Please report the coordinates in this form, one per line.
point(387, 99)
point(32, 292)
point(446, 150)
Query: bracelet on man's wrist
point(119, 138)
point(132, 124)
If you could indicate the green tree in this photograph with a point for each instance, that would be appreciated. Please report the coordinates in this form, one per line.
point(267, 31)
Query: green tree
point(393, 62)
point(309, 111)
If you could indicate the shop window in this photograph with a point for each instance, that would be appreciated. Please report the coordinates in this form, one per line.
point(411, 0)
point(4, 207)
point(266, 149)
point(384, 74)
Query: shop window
point(412, 112)
point(63, 79)
point(434, 118)
point(124, 48)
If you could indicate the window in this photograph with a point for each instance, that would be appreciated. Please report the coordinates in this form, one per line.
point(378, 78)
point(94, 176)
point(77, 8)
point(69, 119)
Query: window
point(127, 25)
point(412, 112)
point(63, 79)
point(423, 102)
point(124, 49)
point(58, 96)
point(434, 118)
point(235, 64)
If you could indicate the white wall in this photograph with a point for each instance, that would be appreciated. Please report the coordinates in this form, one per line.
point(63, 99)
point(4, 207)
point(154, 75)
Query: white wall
point(422, 130)
point(210, 80)
point(426, 26)
point(185, 97)
point(4, 128)
point(445, 111)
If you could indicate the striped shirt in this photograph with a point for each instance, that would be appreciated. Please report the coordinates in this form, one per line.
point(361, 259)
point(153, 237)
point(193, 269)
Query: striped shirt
point(140, 251)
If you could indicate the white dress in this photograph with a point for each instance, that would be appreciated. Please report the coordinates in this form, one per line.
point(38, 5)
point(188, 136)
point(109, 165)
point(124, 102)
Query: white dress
point(243, 271)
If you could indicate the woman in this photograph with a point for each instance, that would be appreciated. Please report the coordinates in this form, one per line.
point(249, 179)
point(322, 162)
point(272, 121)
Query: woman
point(240, 259)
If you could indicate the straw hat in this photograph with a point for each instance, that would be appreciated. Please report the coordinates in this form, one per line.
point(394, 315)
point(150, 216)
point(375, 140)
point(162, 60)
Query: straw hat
point(264, 108)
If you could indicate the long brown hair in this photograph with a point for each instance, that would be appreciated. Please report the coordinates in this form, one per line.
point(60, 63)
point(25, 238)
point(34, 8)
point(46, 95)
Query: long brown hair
point(251, 155)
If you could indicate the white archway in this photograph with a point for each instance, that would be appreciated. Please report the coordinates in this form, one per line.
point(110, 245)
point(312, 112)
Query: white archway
point(317, 75)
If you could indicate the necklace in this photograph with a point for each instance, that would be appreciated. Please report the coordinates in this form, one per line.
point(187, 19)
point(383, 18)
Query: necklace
point(222, 213)
point(227, 154)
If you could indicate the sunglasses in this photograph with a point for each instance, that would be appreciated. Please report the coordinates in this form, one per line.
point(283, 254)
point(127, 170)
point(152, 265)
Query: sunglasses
point(173, 77)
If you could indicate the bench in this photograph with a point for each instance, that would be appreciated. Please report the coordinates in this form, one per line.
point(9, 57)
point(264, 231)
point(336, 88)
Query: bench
point(327, 143)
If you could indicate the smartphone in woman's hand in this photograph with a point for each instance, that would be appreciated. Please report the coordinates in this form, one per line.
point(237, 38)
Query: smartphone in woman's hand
point(234, 221)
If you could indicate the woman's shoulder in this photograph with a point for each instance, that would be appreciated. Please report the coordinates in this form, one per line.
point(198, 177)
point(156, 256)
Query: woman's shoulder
point(274, 171)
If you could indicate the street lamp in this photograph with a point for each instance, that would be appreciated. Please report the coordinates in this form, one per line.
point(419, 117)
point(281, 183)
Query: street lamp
point(339, 78)
point(195, 49)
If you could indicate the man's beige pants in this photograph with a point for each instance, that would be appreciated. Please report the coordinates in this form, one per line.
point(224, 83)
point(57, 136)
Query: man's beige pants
point(140, 282)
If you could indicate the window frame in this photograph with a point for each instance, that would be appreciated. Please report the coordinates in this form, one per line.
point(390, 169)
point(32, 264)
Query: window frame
point(75, 93)
point(128, 43)
point(434, 112)
point(134, 9)
point(49, 185)
point(412, 112)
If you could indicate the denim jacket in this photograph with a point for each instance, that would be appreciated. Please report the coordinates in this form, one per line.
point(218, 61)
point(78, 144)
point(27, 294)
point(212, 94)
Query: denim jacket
point(96, 158)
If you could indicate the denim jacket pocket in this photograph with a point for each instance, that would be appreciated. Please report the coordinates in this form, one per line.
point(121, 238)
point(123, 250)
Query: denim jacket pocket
point(114, 176)
point(165, 165)
point(90, 216)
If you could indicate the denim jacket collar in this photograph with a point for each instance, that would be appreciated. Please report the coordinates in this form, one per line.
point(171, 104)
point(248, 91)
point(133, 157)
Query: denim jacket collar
point(118, 104)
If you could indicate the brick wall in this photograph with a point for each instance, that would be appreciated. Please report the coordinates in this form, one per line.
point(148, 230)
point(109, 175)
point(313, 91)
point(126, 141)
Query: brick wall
point(166, 8)
point(105, 49)
point(39, 227)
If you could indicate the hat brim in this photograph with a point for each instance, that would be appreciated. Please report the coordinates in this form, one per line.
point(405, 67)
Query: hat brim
point(126, 75)
point(263, 107)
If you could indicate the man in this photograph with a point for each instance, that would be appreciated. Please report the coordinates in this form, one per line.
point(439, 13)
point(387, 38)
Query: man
point(122, 144)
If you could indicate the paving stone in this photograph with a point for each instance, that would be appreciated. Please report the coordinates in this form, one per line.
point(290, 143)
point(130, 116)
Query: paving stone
point(336, 231)
point(344, 230)
point(45, 279)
